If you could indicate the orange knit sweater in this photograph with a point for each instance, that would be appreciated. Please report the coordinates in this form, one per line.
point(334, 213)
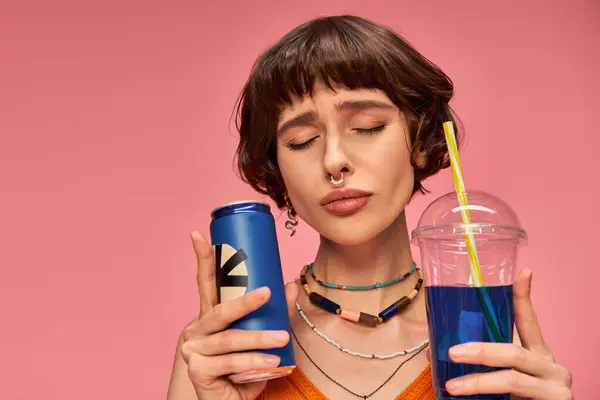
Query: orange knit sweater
point(296, 386)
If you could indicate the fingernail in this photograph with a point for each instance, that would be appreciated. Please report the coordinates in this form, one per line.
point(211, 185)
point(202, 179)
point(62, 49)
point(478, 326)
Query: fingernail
point(454, 384)
point(271, 360)
point(458, 351)
point(261, 292)
point(281, 337)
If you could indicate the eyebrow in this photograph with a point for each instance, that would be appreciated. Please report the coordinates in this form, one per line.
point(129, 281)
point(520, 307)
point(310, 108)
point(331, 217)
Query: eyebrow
point(350, 105)
point(363, 104)
point(304, 118)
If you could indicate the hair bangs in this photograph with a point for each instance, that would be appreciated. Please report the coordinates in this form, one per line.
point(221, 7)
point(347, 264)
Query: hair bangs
point(332, 53)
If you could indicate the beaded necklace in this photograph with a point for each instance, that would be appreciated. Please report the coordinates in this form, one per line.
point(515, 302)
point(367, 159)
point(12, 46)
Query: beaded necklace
point(363, 287)
point(358, 353)
point(355, 315)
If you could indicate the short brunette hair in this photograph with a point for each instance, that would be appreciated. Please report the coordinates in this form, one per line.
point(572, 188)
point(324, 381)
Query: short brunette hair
point(355, 53)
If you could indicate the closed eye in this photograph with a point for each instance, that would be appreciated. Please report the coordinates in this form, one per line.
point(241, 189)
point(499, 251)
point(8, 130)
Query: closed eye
point(301, 146)
point(363, 131)
point(367, 131)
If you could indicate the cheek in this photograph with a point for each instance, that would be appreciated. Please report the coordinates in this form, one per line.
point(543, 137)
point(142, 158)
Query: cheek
point(299, 172)
point(393, 171)
point(391, 158)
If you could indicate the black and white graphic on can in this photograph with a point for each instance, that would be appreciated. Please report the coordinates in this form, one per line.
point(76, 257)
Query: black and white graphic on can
point(232, 273)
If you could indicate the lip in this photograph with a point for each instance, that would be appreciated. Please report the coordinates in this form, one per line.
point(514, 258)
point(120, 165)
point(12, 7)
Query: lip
point(345, 201)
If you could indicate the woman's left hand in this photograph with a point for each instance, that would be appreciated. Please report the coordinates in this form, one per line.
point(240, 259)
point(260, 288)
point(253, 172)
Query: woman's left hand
point(534, 373)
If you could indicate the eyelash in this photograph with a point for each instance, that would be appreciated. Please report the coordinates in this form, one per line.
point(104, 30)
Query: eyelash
point(361, 131)
point(369, 131)
point(301, 146)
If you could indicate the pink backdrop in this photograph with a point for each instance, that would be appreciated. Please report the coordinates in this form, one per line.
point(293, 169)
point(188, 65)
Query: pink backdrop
point(115, 142)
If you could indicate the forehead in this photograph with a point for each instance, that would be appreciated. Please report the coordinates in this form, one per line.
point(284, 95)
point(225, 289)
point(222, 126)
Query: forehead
point(323, 97)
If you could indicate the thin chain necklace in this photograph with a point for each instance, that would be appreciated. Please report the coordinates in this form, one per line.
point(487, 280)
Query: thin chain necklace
point(361, 396)
point(356, 353)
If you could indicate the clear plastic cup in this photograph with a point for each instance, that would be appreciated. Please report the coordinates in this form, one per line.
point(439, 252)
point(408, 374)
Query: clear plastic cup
point(457, 311)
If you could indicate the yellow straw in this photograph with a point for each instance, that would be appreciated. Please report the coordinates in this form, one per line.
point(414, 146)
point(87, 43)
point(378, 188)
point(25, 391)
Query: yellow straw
point(459, 186)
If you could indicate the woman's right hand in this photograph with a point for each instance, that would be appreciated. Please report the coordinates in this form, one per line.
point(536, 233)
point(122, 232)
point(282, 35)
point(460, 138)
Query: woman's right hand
point(215, 354)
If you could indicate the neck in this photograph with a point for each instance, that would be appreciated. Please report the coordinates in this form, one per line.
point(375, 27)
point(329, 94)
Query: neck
point(384, 257)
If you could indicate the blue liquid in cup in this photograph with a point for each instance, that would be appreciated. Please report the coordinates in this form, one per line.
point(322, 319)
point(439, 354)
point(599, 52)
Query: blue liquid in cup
point(456, 316)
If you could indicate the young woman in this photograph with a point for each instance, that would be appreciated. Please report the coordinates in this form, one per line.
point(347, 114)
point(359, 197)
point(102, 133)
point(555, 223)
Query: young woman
point(340, 123)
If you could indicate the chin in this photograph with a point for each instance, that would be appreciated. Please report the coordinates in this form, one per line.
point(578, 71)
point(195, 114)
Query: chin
point(354, 229)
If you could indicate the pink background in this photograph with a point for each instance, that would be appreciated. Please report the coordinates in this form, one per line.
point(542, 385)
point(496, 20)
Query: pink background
point(115, 143)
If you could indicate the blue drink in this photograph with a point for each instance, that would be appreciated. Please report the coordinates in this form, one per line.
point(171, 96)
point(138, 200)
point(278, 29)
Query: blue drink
point(468, 288)
point(455, 316)
point(247, 257)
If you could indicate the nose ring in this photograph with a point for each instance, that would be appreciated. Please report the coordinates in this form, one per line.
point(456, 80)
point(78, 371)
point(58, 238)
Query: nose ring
point(337, 182)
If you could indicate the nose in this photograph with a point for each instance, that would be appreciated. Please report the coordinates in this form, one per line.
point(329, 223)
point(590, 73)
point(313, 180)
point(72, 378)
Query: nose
point(335, 159)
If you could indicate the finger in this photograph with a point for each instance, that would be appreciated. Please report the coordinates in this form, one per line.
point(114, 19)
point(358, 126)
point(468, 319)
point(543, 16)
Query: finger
point(526, 320)
point(224, 314)
point(506, 355)
point(192, 331)
point(235, 340)
point(206, 274)
point(291, 296)
point(508, 381)
point(236, 363)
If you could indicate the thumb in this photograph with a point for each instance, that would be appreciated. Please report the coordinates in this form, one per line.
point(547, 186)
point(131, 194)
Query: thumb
point(291, 295)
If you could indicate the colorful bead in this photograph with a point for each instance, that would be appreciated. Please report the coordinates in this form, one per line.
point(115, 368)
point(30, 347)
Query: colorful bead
point(303, 279)
point(350, 315)
point(368, 320)
point(324, 303)
point(402, 303)
point(388, 312)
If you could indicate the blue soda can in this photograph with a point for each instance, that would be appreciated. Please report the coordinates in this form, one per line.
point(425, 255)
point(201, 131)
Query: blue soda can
point(247, 257)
